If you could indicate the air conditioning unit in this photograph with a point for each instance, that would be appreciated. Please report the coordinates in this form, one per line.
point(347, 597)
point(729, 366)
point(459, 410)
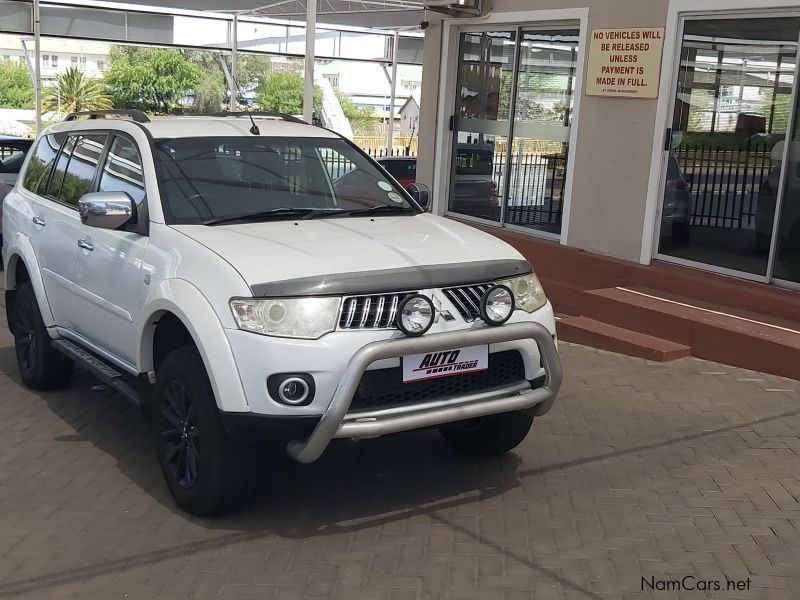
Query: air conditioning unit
point(456, 8)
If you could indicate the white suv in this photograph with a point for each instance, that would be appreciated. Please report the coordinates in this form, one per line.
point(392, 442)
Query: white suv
point(252, 281)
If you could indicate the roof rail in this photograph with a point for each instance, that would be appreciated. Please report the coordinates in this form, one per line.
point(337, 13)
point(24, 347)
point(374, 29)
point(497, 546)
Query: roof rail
point(244, 113)
point(135, 115)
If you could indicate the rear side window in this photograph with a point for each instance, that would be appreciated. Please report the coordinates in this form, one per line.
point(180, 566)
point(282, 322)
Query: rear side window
point(81, 168)
point(38, 171)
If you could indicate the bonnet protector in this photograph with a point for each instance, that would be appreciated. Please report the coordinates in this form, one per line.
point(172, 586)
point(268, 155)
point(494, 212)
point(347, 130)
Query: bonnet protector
point(393, 280)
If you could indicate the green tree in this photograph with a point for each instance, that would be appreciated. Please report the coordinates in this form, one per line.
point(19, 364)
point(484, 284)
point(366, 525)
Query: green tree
point(282, 91)
point(16, 88)
point(253, 69)
point(150, 79)
point(210, 93)
point(362, 118)
point(74, 92)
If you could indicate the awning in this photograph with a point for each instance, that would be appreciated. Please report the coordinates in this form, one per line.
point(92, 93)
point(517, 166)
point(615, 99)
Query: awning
point(384, 14)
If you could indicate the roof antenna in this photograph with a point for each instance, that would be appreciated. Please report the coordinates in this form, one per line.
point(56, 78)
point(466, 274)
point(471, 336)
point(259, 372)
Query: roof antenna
point(254, 129)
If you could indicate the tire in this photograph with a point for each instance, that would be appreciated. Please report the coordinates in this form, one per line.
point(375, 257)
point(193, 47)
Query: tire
point(40, 367)
point(488, 436)
point(681, 233)
point(207, 472)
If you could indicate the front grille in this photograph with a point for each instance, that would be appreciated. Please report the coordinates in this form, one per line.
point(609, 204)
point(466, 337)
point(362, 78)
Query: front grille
point(467, 299)
point(384, 388)
point(371, 312)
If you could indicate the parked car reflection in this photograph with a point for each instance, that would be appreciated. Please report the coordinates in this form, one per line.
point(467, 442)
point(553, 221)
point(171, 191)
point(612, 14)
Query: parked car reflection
point(474, 190)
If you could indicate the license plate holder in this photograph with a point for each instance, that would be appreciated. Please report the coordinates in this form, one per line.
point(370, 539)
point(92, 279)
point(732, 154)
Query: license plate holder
point(446, 363)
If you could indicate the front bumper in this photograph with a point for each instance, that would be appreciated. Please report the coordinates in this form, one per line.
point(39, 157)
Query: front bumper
point(337, 423)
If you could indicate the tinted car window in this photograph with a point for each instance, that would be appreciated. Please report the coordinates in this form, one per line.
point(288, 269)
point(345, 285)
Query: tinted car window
point(57, 179)
point(81, 169)
point(401, 168)
point(474, 160)
point(122, 172)
point(12, 156)
point(38, 170)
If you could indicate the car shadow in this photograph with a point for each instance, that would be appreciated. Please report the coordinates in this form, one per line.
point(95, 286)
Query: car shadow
point(353, 486)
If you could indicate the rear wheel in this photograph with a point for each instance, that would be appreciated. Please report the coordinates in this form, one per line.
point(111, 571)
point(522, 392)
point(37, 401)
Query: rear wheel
point(488, 436)
point(40, 367)
point(207, 471)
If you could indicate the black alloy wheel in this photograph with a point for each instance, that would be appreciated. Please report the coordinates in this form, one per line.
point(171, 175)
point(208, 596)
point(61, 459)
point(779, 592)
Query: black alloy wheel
point(25, 333)
point(40, 366)
point(180, 434)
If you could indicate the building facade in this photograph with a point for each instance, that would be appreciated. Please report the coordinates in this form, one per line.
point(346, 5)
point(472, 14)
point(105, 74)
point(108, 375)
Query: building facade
point(698, 165)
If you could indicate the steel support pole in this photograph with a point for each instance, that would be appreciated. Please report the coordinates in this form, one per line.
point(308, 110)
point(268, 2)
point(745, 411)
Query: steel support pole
point(234, 80)
point(392, 96)
point(308, 81)
point(37, 68)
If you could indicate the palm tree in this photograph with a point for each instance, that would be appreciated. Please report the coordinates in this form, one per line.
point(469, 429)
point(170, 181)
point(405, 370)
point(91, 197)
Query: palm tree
point(75, 92)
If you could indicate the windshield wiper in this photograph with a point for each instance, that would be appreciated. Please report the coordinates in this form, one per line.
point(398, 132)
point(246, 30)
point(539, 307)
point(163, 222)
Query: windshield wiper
point(381, 208)
point(265, 215)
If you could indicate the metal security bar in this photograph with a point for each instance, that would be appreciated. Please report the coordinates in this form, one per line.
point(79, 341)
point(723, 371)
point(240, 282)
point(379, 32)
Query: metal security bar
point(725, 184)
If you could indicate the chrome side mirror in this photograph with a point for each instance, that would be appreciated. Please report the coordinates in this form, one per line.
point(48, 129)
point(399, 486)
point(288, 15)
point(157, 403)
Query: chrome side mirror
point(106, 210)
point(421, 194)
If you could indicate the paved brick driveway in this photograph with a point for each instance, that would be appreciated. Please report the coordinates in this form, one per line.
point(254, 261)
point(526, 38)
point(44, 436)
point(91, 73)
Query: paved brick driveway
point(641, 470)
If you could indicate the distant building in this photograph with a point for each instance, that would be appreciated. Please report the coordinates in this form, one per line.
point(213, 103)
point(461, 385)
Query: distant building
point(58, 55)
point(369, 84)
point(409, 116)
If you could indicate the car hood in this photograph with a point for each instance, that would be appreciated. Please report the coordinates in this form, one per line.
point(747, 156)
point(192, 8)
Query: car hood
point(266, 254)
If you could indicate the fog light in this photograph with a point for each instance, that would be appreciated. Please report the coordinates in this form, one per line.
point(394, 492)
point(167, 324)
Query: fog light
point(416, 315)
point(294, 389)
point(497, 305)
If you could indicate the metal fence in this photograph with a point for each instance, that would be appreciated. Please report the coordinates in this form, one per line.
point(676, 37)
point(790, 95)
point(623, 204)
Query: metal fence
point(724, 184)
point(536, 190)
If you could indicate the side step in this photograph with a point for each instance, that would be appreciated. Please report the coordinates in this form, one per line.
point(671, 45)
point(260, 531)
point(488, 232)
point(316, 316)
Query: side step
point(100, 369)
point(583, 330)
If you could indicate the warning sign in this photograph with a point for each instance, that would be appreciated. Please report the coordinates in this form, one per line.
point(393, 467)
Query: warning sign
point(625, 62)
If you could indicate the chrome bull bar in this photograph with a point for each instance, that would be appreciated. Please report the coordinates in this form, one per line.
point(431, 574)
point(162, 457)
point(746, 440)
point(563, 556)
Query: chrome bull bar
point(336, 423)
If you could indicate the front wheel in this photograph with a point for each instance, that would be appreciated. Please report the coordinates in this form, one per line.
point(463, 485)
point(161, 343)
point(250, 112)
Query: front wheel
point(488, 436)
point(40, 367)
point(207, 472)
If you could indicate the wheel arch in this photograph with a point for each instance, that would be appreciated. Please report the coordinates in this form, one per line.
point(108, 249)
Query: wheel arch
point(178, 315)
point(22, 265)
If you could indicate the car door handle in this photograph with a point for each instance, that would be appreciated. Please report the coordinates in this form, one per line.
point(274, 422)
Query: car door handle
point(39, 221)
point(86, 245)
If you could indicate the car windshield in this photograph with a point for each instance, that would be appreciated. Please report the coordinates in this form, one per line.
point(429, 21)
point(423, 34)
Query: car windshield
point(214, 180)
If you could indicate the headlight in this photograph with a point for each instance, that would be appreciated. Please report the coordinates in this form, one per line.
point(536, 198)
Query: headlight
point(416, 314)
point(308, 318)
point(497, 305)
point(528, 292)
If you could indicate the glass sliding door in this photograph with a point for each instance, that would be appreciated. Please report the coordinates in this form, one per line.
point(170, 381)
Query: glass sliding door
point(786, 261)
point(733, 105)
point(504, 170)
point(480, 136)
point(543, 106)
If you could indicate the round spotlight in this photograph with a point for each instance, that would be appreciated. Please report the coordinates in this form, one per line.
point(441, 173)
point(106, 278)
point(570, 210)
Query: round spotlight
point(415, 315)
point(497, 305)
point(293, 391)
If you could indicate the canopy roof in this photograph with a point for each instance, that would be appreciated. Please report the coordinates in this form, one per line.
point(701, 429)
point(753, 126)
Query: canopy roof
point(384, 14)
